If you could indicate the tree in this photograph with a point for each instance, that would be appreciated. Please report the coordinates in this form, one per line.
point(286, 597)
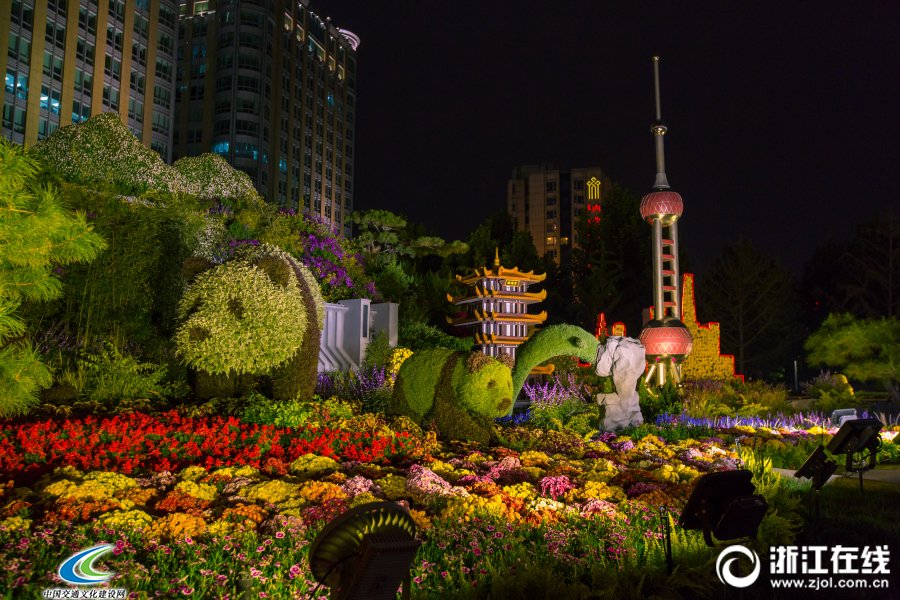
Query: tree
point(754, 297)
point(611, 266)
point(37, 234)
point(867, 350)
point(860, 276)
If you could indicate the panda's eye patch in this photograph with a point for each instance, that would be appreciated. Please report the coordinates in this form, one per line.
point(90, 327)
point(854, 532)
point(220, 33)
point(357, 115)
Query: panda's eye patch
point(236, 307)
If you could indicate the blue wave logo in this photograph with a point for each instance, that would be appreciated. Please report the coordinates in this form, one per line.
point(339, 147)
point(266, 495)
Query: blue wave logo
point(78, 569)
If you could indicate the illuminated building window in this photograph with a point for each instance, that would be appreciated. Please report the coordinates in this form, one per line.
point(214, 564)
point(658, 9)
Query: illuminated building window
point(551, 240)
point(564, 241)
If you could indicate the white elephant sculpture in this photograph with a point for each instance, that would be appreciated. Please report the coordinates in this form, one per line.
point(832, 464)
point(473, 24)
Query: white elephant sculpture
point(624, 359)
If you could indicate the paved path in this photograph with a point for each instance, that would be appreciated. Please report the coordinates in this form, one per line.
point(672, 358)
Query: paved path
point(887, 475)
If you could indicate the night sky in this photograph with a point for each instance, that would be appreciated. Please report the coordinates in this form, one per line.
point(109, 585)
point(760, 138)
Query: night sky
point(782, 116)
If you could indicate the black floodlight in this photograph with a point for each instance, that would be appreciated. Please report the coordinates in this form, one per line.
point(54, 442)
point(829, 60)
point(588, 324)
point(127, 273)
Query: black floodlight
point(855, 436)
point(859, 440)
point(841, 415)
point(724, 504)
point(366, 553)
point(817, 467)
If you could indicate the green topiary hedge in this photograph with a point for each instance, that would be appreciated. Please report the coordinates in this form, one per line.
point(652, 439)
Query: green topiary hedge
point(459, 393)
point(210, 177)
point(253, 321)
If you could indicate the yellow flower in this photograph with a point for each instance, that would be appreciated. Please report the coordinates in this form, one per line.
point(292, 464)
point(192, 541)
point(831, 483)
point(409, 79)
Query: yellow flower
point(309, 466)
point(363, 498)
point(135, 520)
point(597, 490)
point(176, 525)
point(534, 458)
point(447, 471)
point(393, 486)
point(321, 492)
point(60, 488)
point(274, 491)
point(192, 473)
point(16, 524)
point(420, 519)
point(201, 491)
point(113, 481)
point(395, 360)
point(524, 491)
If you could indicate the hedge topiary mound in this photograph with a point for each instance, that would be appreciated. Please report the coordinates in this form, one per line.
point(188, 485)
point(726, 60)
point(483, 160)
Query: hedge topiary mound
point(102, 149)
point(253, 321)
point(210, 177)
point(459, 393)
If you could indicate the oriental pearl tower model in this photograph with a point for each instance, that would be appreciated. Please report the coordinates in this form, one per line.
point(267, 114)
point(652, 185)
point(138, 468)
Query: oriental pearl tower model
point(665, 338)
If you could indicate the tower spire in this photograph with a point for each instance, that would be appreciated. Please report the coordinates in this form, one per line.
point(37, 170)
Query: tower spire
point(659, 130)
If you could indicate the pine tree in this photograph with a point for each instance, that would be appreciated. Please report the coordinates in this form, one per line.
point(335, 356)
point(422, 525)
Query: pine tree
point(37, 234)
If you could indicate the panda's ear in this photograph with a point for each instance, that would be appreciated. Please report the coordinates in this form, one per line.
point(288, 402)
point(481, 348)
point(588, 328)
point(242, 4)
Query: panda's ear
point(193, 266)
point(506, 360)
point(476, 361)
point(278, 270)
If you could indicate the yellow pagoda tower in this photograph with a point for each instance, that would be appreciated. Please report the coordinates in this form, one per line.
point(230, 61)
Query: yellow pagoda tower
point(497, 307)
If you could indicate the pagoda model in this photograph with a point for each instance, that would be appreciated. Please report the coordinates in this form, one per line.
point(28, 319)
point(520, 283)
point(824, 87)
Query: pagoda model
point(666, 340)
point(497, 307)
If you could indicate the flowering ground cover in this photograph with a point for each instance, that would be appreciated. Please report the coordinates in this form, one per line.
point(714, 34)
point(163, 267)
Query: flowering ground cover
point(210, 507)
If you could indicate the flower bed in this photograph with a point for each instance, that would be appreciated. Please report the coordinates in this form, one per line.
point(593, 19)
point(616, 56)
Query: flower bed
point(211, 531)
point(136, 442)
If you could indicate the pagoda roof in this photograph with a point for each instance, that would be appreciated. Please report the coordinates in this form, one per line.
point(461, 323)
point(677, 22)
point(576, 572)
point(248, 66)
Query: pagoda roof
point(494, 316)
point(483, 294)
point(499, 272)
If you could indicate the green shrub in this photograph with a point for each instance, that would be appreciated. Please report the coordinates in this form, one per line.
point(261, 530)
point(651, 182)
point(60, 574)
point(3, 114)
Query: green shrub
point(38, 236)
point(103, 150)
point(109, 377)
point(709, 398)
point(378, 353)
point(210, 177)
point(664, 400)
point(130, 292)
point(420, 336)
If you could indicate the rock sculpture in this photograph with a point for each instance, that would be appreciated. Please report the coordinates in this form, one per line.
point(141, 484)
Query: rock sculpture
point(623, 359)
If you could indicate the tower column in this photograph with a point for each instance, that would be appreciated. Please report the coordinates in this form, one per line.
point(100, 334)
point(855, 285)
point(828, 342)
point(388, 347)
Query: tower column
point(665, 338)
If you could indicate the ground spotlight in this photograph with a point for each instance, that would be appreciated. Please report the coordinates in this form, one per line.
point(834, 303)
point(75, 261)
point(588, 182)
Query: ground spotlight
point(366, 553)
point(817, 467)
point(858, 439)
point(724, 504)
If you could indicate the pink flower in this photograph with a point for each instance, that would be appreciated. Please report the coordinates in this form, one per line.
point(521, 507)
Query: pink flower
point(279, 534)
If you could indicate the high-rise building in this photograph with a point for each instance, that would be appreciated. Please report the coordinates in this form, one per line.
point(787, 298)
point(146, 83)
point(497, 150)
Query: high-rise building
point(94, 56)
point(271, 87)
point(547, 202)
